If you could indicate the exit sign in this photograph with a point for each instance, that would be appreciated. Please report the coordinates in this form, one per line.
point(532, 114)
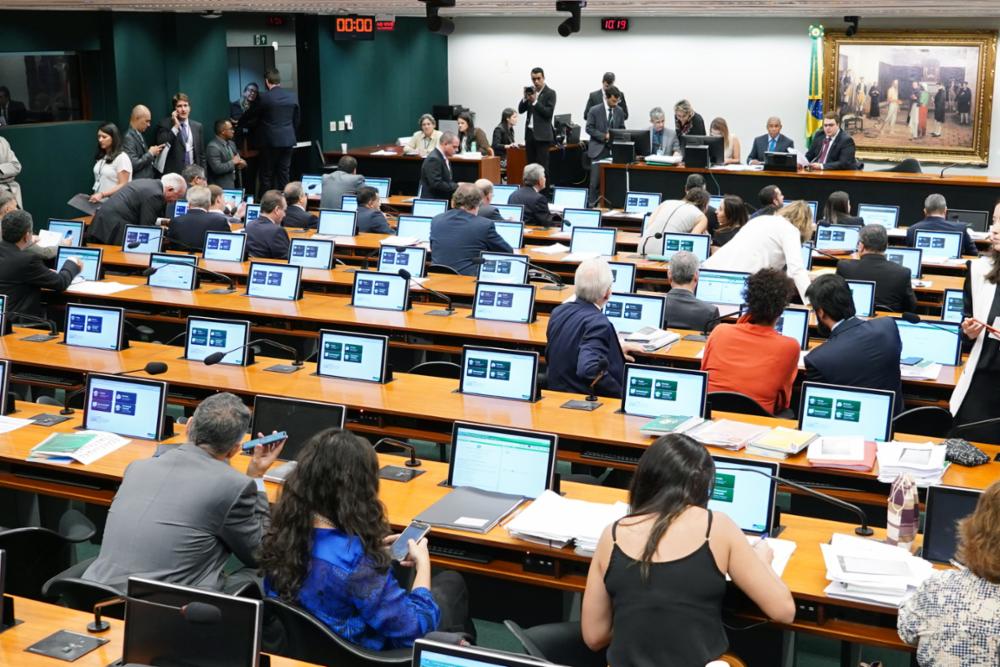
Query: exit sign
point(385, 25)
point(260, 40)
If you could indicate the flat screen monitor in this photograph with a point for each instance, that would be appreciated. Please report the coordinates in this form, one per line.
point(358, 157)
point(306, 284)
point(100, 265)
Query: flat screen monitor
point(629, 313)
point(863, 293)
point(414, 226)
point(842, 238)
point(696, 244)
point(412, 258)
point(510, 212)
point(721, 287)
point(173, 271)
point(311, 253)
point(886, 215)
point(252, 213)
point(5, 407)
point(938, 342)
point(504, 302)
point(641, 203)
point(353, 356)
point(715, 201)
point(99, 327)
point(829, 409)
point(502, 460)
point(312, 185)
point(490, 371)
point(946, 506)
point(300, 419)
point(4, 322)
point(744, 494)
point(275, 281)
point(180, 208)
point(349, 203)
point(380, 184)
point(580, 217)
point(501, 193)
point(91, 258)
point(939, 245)
point(569, 197)
point(511, 232)
point(654, 391)
point(911, 258)
point(68, 230)
point(128, 406)
point(208, 335)
point(337, 222)
point(499, 267)
point(590, 240)
point(977, 221)
point(622, 277)
point(813, 207)
point(225, 246)
point(953, 306)
point(433, 654)
point(428, 208)
point(807, 256)
point(232, 198)
point(385, 291)
point(715, 146)
point(142, 239)
point(794, 323)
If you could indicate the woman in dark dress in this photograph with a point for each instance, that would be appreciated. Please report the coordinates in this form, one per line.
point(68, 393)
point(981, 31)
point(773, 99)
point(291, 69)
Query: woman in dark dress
point(732, 216)
point(940, 101)
point(687, 120)
point(875, 95)
point(503, 134)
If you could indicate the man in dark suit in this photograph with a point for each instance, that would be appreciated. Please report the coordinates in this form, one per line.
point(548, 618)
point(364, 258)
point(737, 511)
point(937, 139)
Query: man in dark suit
point(770, 199)
point(936, 220)
point(134, 144)
point(266, 238)
point(529, 195)
point(830, 148)
point(660, 140)
point(683, 309)
point(296, 202)
point(581, 339)
point(370, 218)
point(23, 274)
point(277, 116)
point(225, 166)
point(136, 203)
point(487, 209)
point(189, 229)
point(600, 96)
point(601, 119)
point(538, 107)
point(436, 180)
point(184, 137)
point(772, 142)
point(344, 181)
point(893, 290)
point(12, 112)
point(859, 353)
point(459, 236)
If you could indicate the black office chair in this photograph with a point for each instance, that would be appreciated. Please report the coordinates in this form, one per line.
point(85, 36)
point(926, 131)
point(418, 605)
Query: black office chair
point(984, 430)
point(327, 167)
point(437, 369)
point(35, 555)
point(734, 401)
point(294, 633)
point(442, 268)
point(82, 595)
point(929, 420)
point(560, 643)
point(906, 166)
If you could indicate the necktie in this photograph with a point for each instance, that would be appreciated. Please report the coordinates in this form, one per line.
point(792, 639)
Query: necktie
point(611, 117)
point(657, 142)
point(821, 158)
point(771, 145)
point(184, 138)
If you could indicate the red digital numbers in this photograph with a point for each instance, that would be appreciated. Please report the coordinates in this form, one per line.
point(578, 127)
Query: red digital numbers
point(357, 24)
point(616, 24)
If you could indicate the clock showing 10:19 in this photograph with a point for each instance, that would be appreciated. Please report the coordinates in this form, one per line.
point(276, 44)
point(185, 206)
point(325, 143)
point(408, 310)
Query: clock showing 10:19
point(614, 24)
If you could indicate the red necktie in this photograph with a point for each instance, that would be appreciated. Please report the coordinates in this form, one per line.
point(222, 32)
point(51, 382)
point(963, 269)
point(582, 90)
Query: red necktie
point(826, 149)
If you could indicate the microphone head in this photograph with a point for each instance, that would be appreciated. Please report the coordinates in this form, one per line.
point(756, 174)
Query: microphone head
point(134, 244)
point(213, 358)
point(602, 364)
point(658, 235)
point(405, 274)
point(156, 367)
point(201, 613)
point(478, 260)
point(148, 271)
point(912, 318)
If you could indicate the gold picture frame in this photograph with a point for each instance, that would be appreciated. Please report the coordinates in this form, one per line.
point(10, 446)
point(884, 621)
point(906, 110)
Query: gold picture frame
point(919, 64)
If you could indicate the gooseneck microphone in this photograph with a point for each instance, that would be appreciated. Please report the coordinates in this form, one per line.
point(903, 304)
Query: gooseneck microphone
point(448, 310)
point(216, 357)
point(913, 318)
point(703, 336)
point(221, 276)
point(642, 250)
point(602, 370)
point(413, 461)
point(554, 278)
point(151, 368)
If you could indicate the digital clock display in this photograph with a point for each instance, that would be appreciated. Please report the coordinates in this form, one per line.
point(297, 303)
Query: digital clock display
point(354, 27)
point(614, 24)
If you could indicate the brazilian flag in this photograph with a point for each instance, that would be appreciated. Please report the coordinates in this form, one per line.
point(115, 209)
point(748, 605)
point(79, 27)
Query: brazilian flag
point(814, 107)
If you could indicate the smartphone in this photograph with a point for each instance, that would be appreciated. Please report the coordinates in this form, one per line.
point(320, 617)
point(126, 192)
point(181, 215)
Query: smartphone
point(266, 440)
point(416, 532)
point(910, 361)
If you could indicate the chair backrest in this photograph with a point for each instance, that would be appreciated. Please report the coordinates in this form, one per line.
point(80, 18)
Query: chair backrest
point(559, 643)
point(438, 369)
point(929, 420)
point(442, 268)
point(734, 401)
point(82, 595)
point(907, 166)
point(34, 555)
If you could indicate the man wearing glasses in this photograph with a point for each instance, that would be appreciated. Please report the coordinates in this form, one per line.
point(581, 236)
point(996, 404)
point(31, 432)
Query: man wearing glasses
point(831, 148)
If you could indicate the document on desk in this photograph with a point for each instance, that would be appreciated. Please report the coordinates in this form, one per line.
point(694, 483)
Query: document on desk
point(925, 462)
point(783, 550)
point(555, 521)
point(8, 424)
point(98, 287)
point(925, 370)
point(400, 241)
point(581, 256)
point(83, 447)
point(466, 508)
point(871, 571)
point(727, 433)
point(553, 249)
point(383, 152)
point(48, 239)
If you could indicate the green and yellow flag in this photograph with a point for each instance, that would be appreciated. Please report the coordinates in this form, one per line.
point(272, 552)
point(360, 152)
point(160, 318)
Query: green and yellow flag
point(814, 108)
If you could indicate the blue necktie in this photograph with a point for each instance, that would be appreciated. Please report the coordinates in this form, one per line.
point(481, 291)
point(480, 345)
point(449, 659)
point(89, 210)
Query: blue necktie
point(771, 145)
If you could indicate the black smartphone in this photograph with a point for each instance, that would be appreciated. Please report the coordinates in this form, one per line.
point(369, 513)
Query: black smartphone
point(416, 532)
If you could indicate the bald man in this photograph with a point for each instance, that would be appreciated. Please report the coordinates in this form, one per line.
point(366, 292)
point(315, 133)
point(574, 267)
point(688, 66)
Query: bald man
point(772, 142)
point(134, 144)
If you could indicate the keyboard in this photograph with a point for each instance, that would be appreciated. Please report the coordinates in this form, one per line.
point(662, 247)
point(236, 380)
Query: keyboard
point(460, 553)
point(613, 457)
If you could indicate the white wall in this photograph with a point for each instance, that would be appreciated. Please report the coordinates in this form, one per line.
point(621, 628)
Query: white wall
point(741, 69)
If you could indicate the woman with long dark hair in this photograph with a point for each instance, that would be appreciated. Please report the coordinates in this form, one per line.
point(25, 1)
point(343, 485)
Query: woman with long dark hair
point(327, 551)
point(112, 166)
point(471, 139)
point(732, 216)
point(837, 210)
point(656, 583)
point(503, 134)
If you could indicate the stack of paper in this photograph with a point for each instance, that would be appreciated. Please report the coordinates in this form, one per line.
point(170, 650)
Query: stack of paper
point(553, 249)
point(652, 338)
point(580, 256)
point(727, 433)
point(82, 446)
point(100, 288)
point(923, 461)
point(842, 452)
point(663, 159)
point(400, 241)
point(556, 521)
point(870, 571)
point(780, 442)
point(925, 370)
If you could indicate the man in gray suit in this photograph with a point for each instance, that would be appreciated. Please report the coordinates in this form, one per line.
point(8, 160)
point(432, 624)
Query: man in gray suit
point(225, 166)
point(344, 181)
point(178, 517)
point(684, 310)
point(660, 140)
point(601, 119)
point(134, 144)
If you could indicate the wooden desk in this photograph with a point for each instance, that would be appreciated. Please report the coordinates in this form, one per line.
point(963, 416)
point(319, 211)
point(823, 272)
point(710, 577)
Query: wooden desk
point(565, 165)
point(404, 170)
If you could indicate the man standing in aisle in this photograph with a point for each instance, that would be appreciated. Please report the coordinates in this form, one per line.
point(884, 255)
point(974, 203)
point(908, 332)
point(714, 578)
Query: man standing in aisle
point(538, 107)
point(277, 117)
point(600, 95)
point(134, 144)
point(601, 119)
point(183, 136)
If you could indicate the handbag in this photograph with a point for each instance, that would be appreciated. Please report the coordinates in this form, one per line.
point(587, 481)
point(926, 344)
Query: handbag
point(903, 513)
point(964, 453)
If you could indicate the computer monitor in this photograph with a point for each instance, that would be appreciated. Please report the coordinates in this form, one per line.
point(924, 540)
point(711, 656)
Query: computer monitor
point(939, 245)
point(380, 184)
point(977, 221)
point(911, 258)
point(349, 203)
point(721, 287)
point(4, 321)
point(622, 277)
point(886, 215)
point(641, 203)
point(569, 197)
point(433, 654)
point(337, 222)
point(99, 327)
point(393, 258)
point(697, 244)
point(6, 406)
point(580, 217)
point(511, 232)
point(173, 271)
point(945, 507)
point(715, 201)
point(491, 371)
point(590, 240)
point(794, 323)
point(91, 258)
point(502, 460)
point(744, 494)
point(837, 237)
point(504, 302)
point(953, 305)
point(813, 207)
point(501, 193)
point(275, 281)
point(828, 409)
point(500, 267)
point(312, 185)
point(629, 313)
point(353, 356)
point(938, 342)
point(311, 253)
point(142, 239)
point(863, 293)
point(158, 631)
point(654, 391)
point(702, 150)
point(252, 213)
point(232, 198)
point(180, 208)
point(208, 335)
point(127, 406)
point(414, 226)
point(68, 230)
point(225, 246)
point(807, 256)
point(510, 212)
point(299, 418)
point(428, 208)
point(384, 291)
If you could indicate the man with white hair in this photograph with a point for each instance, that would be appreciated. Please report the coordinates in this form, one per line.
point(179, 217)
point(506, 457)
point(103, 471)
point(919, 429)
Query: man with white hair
point(581, 339)
point(136, 203)
point(772, 142)
point(189, 230)
point(529, 195)
point(936, 220)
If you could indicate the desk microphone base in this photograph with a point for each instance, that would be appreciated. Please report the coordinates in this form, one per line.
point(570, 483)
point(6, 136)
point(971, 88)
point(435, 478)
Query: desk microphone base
point(221, 290)
point(440, 313)
point(399, 473)
point(283, 368)
point(39, 338)
point(698, 338)
point(555, 288)
point(587, 406)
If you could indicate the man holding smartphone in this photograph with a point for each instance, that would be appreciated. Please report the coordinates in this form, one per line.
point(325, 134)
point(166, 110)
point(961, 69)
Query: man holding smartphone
point(538, 106)
point(143, 157)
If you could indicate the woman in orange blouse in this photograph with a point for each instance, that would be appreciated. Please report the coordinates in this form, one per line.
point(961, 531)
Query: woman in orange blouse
point(751, 357)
